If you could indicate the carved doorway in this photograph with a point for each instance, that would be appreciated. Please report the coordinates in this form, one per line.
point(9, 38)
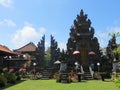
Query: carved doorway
point(84, 54)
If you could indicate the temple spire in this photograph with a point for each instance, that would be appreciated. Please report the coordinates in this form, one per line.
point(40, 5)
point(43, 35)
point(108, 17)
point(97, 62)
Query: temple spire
point(81, 12)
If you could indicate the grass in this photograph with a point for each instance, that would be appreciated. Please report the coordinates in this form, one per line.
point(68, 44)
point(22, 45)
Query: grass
point(52, 85)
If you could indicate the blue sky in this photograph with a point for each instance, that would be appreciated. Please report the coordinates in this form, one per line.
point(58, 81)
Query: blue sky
point(24, 21)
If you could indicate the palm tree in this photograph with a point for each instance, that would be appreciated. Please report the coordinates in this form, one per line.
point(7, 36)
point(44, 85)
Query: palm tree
point(113, 40)
point(115, 35)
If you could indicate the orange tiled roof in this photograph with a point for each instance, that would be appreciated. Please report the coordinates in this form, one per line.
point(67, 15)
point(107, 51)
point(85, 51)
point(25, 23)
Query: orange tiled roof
point(6, 50)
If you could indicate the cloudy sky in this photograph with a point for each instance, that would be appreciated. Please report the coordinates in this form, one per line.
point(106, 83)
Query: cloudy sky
point(24, 21)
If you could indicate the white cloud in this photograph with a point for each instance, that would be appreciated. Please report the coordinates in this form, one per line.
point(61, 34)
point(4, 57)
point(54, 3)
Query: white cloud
point(25, 35)
point(7, 22)
point(6, 3)
point(62, 46)
point(103, 37)
point(101, 34)
point(113, 29)
point(42, 30)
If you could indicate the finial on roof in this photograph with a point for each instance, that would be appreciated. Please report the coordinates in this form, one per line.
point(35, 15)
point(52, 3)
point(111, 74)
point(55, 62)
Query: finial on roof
point(81, 12)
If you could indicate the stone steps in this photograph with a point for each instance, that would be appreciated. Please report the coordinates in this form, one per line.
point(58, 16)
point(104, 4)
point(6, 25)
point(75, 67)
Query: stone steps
point(88, 76)
point(46, 74)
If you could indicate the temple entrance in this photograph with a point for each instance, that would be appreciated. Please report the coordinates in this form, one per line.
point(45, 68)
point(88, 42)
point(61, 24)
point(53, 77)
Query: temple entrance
point(83, 40)
point(84, 55)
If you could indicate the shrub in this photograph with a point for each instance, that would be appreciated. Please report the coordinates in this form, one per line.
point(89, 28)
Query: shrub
point(18, 77)
point(11, 78)
point(97, 75)
point(117, 81)
point(3, 81)
point(5, 70)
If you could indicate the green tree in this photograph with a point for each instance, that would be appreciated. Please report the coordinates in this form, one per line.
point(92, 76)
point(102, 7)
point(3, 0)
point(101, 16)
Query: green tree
point(114, 34)
point(116, 51)
point(117, 54)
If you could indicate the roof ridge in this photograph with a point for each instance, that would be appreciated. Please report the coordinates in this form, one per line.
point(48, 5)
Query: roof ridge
point(26, 45)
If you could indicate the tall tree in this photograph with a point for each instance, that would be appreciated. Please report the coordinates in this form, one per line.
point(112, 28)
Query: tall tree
point(114, 34)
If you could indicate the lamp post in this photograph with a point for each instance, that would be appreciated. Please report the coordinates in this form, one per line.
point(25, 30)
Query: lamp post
point(98, 64)
point(34, 64)
point(78, 72)
point(76, 66)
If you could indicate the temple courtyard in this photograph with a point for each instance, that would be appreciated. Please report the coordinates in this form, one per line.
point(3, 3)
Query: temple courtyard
point(52, 85)
point(83, 66)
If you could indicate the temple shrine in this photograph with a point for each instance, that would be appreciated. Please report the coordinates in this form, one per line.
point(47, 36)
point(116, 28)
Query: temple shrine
point(82, 43)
